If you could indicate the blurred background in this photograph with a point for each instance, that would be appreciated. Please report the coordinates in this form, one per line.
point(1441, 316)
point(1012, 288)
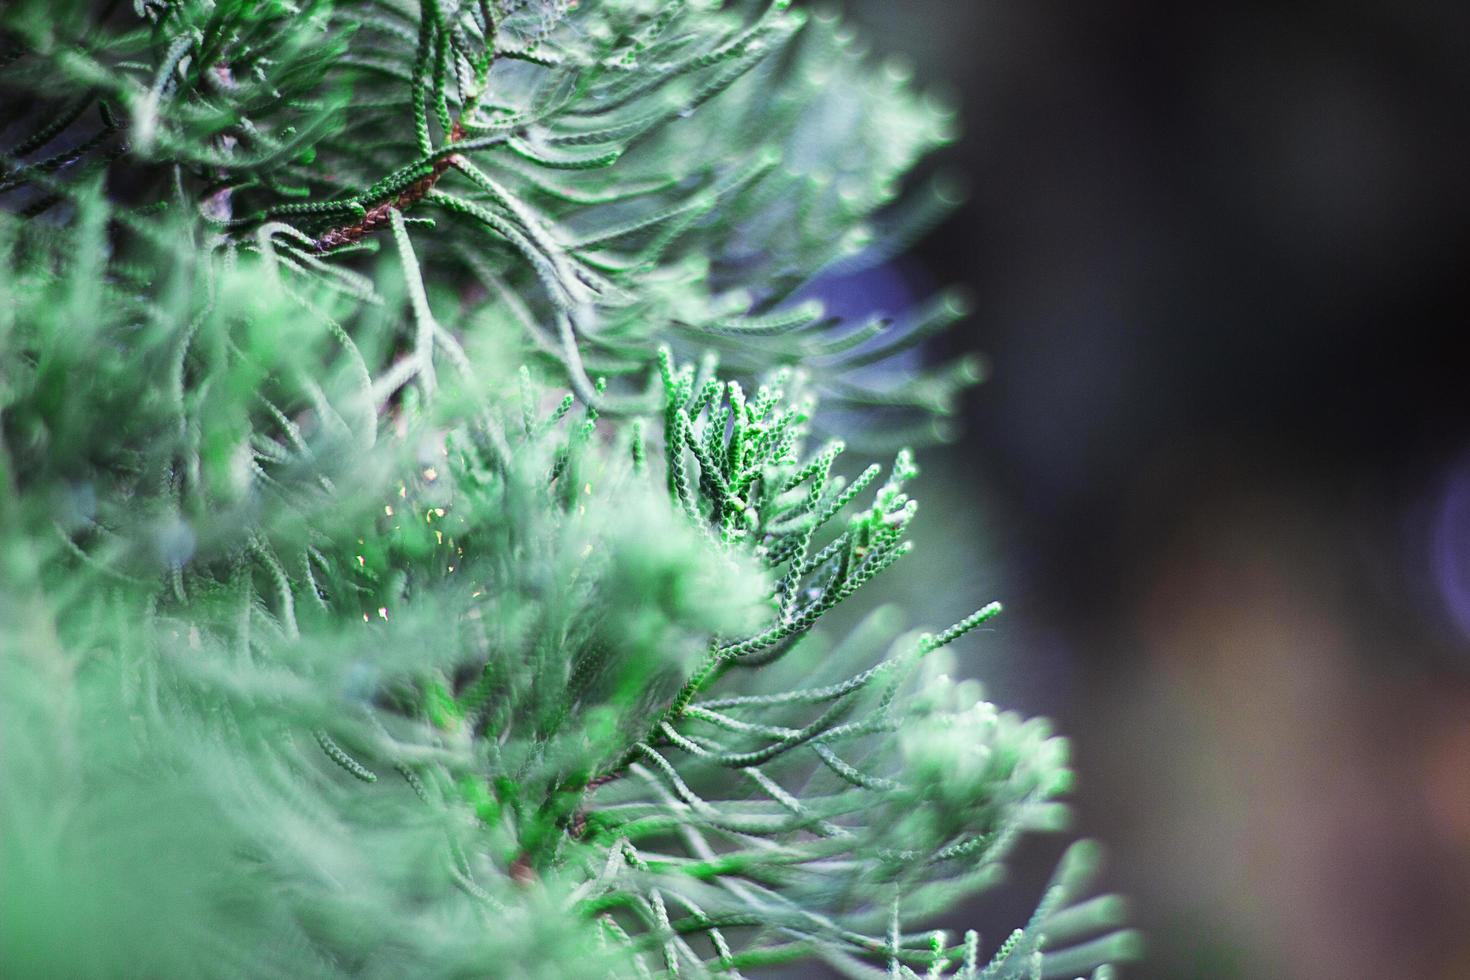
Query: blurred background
point(1220, 474)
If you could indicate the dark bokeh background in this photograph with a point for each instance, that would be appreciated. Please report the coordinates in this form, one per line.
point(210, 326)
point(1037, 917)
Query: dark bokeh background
point(1221, 472)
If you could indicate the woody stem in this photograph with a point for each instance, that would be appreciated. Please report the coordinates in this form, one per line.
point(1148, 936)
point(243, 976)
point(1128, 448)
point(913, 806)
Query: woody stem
point(377, 216)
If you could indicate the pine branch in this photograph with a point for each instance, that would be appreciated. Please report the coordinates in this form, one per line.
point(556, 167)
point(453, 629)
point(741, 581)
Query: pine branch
point(428, 602)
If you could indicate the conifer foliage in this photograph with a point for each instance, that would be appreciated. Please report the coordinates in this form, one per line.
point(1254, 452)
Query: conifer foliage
point(418, 526)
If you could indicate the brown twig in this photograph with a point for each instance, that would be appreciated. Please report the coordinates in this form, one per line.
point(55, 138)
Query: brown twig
point(522, 872)
point(377, 216)
point(579, 819)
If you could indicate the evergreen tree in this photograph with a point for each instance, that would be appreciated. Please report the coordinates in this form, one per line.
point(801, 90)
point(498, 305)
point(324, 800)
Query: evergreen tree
point(417, 524)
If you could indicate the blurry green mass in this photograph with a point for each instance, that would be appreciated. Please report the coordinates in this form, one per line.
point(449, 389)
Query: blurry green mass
point(422, 486)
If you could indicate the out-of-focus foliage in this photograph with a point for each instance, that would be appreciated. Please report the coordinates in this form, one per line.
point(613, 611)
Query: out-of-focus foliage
point(334, 642)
